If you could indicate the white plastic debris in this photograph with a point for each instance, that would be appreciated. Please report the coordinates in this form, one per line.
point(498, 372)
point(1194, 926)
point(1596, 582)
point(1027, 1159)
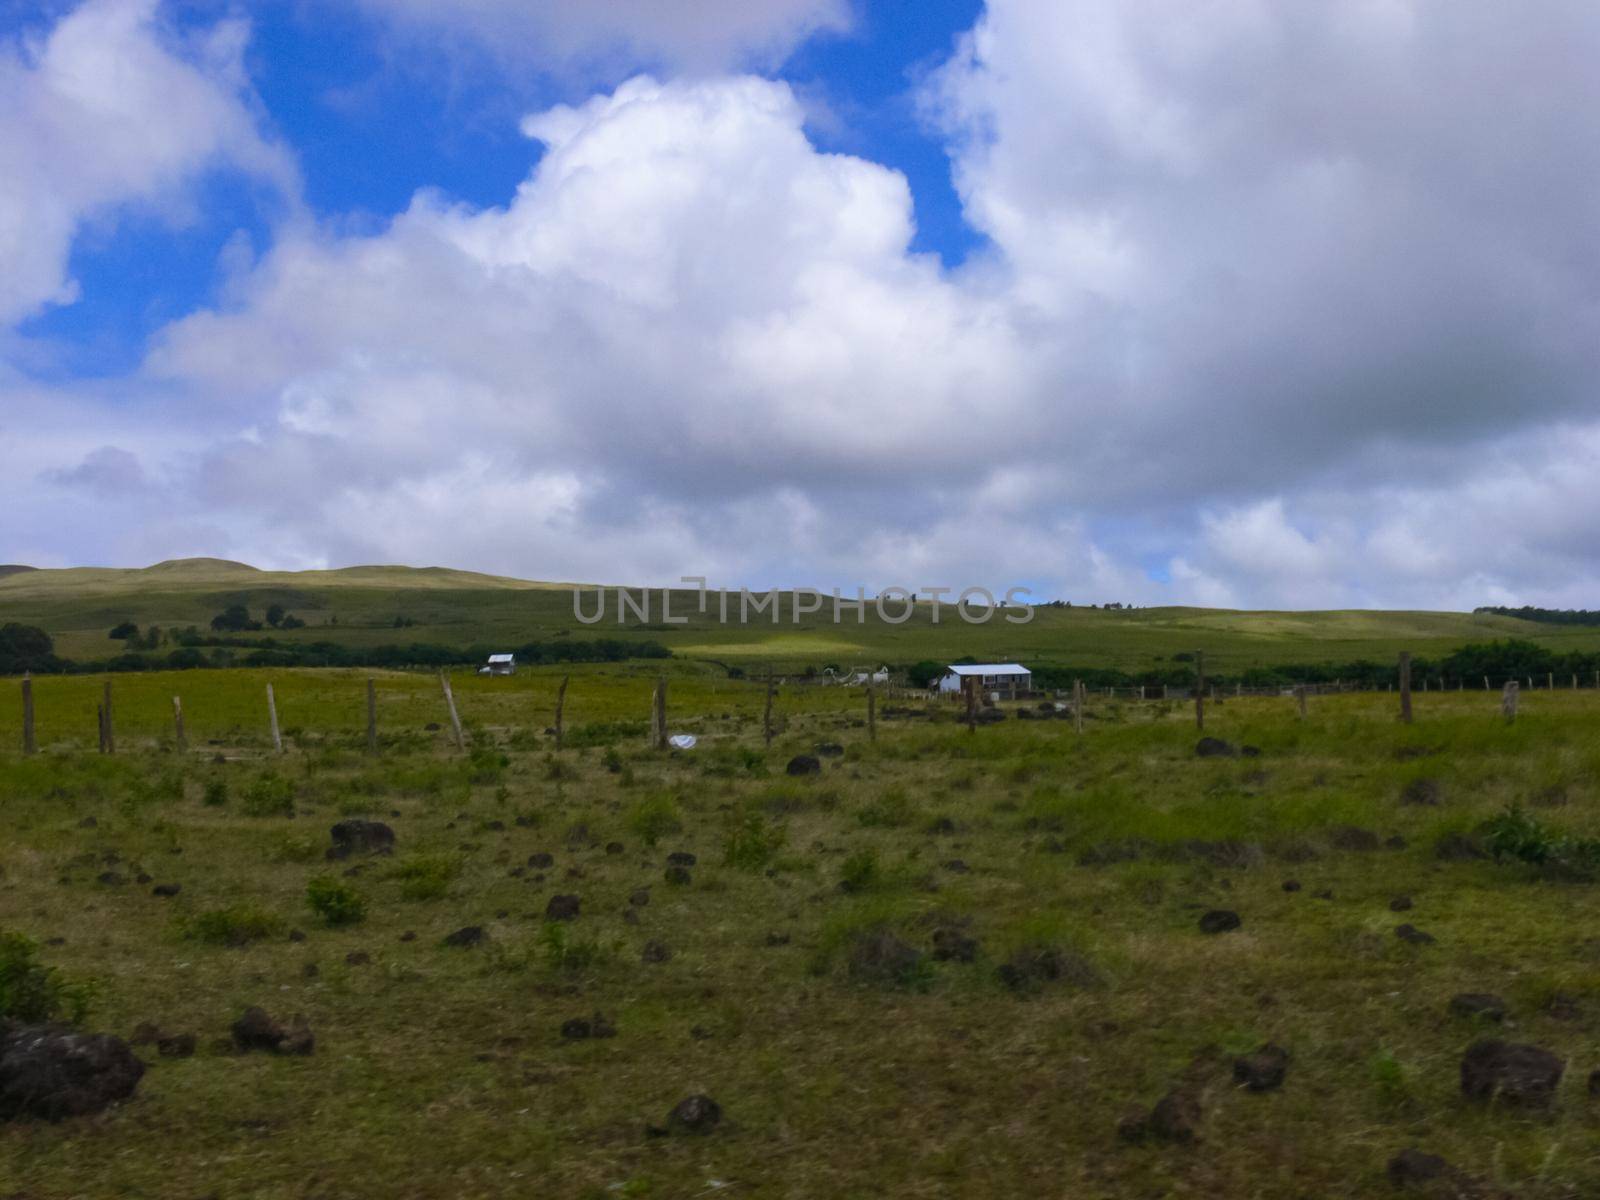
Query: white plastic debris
point(682, 741)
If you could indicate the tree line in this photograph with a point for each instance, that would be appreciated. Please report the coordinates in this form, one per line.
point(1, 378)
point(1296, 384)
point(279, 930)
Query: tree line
point(1548, 616)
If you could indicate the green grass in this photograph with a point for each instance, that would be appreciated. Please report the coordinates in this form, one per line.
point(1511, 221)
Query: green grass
point(359, 606)
point(441, 1072)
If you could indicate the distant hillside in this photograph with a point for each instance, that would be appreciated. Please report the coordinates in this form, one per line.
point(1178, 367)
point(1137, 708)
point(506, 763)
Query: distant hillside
point(370, 606)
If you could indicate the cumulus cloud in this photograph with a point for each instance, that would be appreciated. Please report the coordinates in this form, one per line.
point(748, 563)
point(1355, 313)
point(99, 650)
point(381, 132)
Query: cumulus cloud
point(699, 35)
point(108, 109)
point(1282, 305)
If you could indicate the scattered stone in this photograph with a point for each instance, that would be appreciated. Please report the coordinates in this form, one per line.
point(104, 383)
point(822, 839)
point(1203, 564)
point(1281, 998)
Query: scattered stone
point(1250, 751)
point(679, 876)
point(1563, 1007)
point(255, 1030)
point(803, 764)
point(1034, 965)
point(1400, 904)
point(1220, 920)
point(639, 897)
point(467, 937)
point(1291, 885)
point(1478, 1004)
point(1458, 847)
point(1521, 1075)
point(49, 1072)
point(882, 958)
point(1413, 935)
point(541, 861)
point(360, 836)
point(655, 952)
point(1210, 747)
point(681, 858)
point(297, 935)
point(1351, 837)
point(951, 945)
point(830, 749)
point(409, 935)
point(614, 847)
point(1423, 790)
point(1263, 1070)
point(579, 1028)
point(166, 889)
point(694, 1114)
point(178, 1045)
point(111, 879)
point(1412, 1167)
point(360, 958)
point(562, 908)
point(1174, 1118)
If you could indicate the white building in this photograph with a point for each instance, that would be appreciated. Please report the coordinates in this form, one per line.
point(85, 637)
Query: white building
point(1006, 678)
point(500, 664)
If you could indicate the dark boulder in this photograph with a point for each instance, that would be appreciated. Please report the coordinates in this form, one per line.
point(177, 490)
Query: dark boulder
point(829, 749)
point(681, 858)
point(358, 836)
point(255, 1030)
point(694, 1114)
point(1413, 935)
point(1262, 1070)
point(1484, 1005)
point(562, 908)
point(166, 889)
point(1516, 1074)
point(1174, 1118)
point(1032, 966)
point(1220, 920)
point(467, 937)
point(679, 876)
point(803, 764)
point(655, 952)
point(1210, 747)
point(49, 1072)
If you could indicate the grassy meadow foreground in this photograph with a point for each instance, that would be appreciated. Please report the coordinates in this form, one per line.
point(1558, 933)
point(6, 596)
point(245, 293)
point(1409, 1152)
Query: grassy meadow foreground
point(945, 965)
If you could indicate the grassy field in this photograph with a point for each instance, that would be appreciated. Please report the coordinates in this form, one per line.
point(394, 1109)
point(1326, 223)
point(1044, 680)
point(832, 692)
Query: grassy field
point(843, 1067)
point(359, 606)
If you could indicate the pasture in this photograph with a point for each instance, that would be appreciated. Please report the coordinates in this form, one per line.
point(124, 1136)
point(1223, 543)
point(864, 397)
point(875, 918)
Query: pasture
point(947, 963)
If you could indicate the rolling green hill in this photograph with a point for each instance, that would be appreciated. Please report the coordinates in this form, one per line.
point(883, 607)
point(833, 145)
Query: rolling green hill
point(375, 605)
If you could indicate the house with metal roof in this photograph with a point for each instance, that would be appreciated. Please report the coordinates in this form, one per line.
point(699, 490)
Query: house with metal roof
point(1007, 678)
point(500, 664)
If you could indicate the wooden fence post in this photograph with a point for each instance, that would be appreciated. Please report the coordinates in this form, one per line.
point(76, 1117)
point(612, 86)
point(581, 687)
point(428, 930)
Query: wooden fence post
point(872, 713)
point(1508, 701)
point(1300, 700)
point(1550, 682)
point(1079, 695)
point(1486, 683)
point(970, 685)
point(450, 702)
point(272, 718)
point(180, 738)
point(30, 744)
point(372, 715)
point(108, 723)
point(658, 715)
point(1405, 686)
point(561, 704)
point(766, 713)
point(1200, 690)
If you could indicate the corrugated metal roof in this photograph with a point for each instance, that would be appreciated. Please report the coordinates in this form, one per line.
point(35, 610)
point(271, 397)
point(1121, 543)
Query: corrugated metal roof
point(990, 669)
point(500, 658)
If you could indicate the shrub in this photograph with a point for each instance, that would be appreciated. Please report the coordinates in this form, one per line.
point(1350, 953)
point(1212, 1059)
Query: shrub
point(216, 793)
point(860, 872)
point(1515, 834)
point(235, 925)
point(889, 811)
point(426, 876)
point(653, 818)
point(753, 843)
point(33, 992)
point(562, 951)
point(335, 902)
point(269, 795)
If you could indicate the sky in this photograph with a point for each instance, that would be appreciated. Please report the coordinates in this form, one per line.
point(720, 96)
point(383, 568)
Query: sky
point(1211, 302)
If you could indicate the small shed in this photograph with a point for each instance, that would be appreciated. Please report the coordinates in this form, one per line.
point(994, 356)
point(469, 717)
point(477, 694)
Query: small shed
point(1009, 679)
point(500, 664)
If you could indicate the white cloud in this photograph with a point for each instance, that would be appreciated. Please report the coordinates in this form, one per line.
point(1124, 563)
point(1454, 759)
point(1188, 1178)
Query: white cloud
point(110, 109)
point(699, 35)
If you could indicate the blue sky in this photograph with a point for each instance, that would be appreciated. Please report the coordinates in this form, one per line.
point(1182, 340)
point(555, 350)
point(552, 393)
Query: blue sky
point(1244, 305)
point(372, 122)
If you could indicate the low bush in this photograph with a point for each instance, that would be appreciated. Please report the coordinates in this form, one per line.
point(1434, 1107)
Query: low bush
point(753, 843)
point(268, 795)
point(335, 902)
point(235, 925)
point(426, 876)
point(33, 992)
point(654, 818)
